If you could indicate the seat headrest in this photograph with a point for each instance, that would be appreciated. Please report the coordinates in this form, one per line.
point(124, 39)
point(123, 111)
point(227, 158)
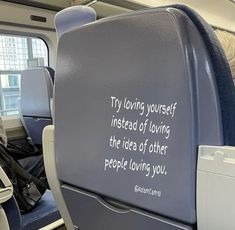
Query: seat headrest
point(73, 17)
point(36, 92)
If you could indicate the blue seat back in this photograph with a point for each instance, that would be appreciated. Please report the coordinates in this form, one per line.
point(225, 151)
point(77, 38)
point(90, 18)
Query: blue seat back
point(142, 92)
point(35, 102)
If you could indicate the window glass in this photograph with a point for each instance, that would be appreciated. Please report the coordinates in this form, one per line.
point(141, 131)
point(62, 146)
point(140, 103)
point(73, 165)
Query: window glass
point(16, 54)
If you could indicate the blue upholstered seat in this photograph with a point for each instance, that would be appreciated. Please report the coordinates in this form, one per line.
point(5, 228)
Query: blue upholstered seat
point(44, 213)
point(36, 94)
point(124, 73)
point(35, 102)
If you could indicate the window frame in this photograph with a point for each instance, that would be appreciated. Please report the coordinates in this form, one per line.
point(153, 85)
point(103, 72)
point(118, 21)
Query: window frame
point(47, 44)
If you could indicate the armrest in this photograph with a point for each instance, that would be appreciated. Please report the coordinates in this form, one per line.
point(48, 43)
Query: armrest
point(216, 187)
point(6, 192)
point(52, 177)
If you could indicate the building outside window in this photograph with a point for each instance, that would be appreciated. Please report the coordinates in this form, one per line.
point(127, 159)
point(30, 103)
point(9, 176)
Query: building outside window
point(13, 80)
point(16, 54)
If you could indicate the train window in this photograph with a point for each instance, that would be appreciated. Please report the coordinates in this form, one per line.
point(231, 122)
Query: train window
point(16, 54)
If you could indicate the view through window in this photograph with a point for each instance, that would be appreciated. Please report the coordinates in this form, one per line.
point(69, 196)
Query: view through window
point(16, 54)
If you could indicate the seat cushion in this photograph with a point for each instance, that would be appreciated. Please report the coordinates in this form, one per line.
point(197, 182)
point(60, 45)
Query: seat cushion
point(45, 213)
